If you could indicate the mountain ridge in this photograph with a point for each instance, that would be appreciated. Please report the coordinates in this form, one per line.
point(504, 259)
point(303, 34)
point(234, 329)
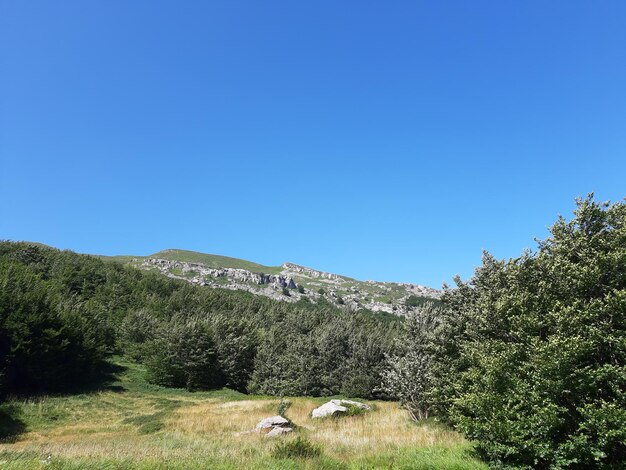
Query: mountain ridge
point(289, 282)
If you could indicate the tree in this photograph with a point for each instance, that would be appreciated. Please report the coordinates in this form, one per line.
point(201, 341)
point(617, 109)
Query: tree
point(407, 376)
point(530, 361)
point(236, 343)
point(183, 355)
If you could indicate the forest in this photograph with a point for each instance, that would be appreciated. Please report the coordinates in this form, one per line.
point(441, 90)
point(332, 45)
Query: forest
point(527, 358)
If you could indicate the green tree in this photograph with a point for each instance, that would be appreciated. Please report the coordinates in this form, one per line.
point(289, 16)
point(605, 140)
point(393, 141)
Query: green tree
point(407, 377)
point(183, 355)
point(530, 360)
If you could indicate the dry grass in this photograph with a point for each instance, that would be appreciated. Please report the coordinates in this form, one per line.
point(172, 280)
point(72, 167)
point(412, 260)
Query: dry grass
point(165, 429)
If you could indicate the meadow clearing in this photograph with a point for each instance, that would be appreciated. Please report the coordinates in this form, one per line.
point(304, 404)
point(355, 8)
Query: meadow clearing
point(132, 424)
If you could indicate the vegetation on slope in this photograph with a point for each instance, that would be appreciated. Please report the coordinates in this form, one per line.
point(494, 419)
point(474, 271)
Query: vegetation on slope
point(62, 314)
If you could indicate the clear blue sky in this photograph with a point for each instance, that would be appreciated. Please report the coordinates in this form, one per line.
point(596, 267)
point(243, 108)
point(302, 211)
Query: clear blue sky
point(381, 140)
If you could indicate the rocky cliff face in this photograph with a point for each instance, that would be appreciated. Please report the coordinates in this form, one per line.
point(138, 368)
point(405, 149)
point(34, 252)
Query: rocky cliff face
point(296, 282)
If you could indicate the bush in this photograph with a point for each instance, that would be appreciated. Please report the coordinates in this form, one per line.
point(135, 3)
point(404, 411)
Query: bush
point(352, 410)
point(530, 361)
point(414, 301)
point(299, 447)
point(283, 406)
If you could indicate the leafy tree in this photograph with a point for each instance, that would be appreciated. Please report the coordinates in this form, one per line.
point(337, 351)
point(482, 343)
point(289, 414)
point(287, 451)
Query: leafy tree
point(408, 376)
point(45, 344)
point(183, 355)
point(236, 343)
point(530, 360)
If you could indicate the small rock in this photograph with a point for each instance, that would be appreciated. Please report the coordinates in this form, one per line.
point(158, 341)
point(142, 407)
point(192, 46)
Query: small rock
point(278, 431)
point(267, 424)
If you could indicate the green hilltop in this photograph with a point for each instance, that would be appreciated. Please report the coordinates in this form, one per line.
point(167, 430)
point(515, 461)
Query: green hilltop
point(214, 261)
point(209, 260)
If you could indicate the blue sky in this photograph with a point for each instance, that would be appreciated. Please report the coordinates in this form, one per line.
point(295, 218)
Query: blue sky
point(381, 140)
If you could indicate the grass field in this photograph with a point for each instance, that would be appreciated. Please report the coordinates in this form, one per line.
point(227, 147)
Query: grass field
point(132, 424)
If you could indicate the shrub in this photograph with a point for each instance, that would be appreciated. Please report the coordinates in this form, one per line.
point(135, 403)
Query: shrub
point(299, 447)
point(283, 406)
point(353, 410)
point(414, 301)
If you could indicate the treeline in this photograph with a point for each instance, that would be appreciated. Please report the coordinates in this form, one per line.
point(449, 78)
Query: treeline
point(528, 358)
point(63, 314)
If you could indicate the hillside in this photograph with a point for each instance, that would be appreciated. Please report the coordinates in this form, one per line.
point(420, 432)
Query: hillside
point(289, 282)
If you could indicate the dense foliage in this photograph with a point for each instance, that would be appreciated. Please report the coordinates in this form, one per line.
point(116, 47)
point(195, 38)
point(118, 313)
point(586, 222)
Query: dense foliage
point(529, 359)
point(62, 314)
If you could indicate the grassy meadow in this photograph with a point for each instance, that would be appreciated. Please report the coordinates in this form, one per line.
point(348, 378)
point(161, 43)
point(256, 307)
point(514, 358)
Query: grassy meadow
point(131, 424)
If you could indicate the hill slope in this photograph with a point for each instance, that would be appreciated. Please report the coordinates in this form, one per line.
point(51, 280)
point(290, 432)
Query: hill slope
point(288, 282)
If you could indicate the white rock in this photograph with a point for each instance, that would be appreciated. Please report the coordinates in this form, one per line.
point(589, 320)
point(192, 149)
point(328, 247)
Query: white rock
point(273, 421)
point(277, 431)
point(328, 409)
point(363, 406)
point(336, 407)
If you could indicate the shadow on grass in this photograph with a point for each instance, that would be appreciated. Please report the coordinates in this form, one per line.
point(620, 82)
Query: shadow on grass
point(10, 424)
point(102, 378)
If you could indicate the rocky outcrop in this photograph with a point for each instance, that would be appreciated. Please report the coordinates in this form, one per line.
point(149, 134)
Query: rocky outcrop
point(295, 282)
point(234, 274)
point(308, 272)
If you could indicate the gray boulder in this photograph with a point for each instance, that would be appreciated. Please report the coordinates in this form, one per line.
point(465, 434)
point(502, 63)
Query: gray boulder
point(336, 408)
point(278, 431)
point(273, 426)
point(274, 421)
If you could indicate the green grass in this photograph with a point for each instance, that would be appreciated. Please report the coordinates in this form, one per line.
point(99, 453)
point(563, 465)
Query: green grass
point(215, 261)
point(137, 425)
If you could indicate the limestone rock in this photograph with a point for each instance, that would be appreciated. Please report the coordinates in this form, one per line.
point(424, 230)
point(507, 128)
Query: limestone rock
point(336, 408)
point(358, 404)
point(267, 424)
point(328, 409)
point(278, 431)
